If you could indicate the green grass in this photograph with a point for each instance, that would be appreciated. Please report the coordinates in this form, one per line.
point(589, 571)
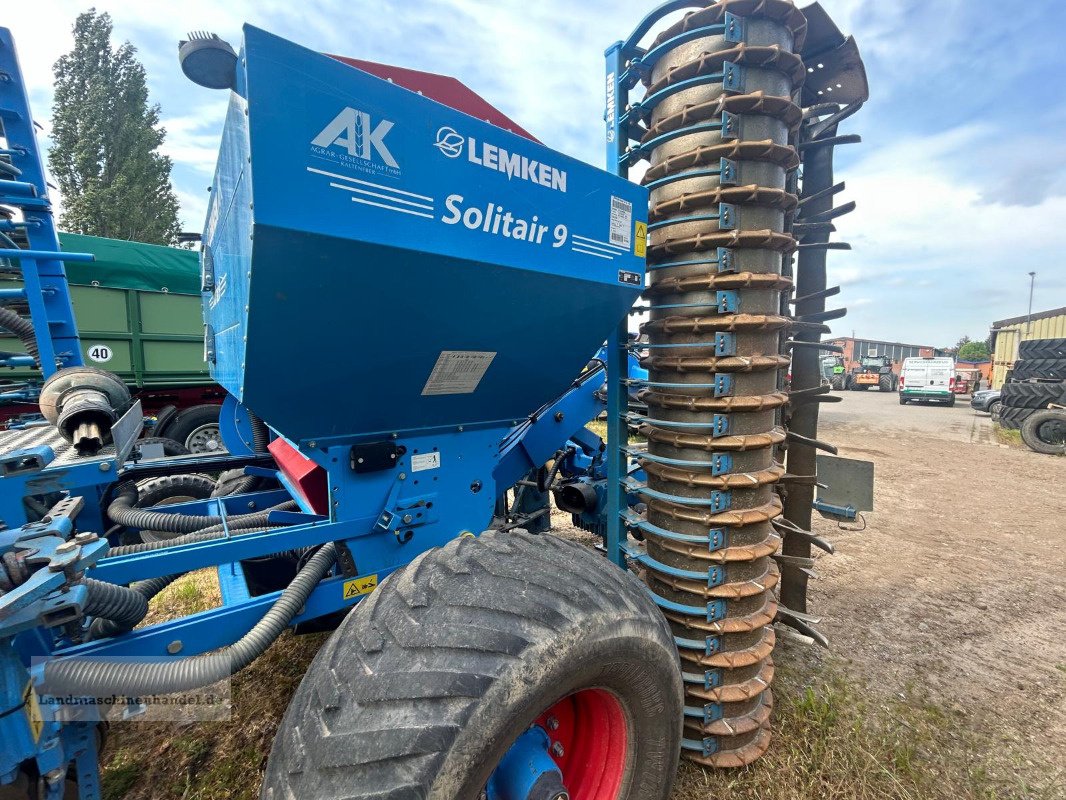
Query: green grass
point(834, 739)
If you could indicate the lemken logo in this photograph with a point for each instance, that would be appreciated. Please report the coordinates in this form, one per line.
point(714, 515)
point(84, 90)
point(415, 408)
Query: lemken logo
point(351, 130)
point(450, 142)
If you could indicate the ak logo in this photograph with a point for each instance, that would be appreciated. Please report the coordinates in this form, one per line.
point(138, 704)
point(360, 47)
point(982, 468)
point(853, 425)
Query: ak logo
point(352, 129)
point(450, 142)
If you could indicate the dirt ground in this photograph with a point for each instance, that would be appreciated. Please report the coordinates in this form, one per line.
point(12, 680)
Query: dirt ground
point(946, 677)
point(958, 583)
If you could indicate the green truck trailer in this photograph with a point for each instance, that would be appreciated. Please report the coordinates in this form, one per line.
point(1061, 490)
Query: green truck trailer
point(138, 312)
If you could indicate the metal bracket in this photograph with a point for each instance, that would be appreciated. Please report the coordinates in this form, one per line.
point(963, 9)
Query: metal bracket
point(375, 456)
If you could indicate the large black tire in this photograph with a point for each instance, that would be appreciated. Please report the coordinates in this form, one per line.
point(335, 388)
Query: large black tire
point(1032, 395)
point(173, 489)
point(429, 681)
point(1012, 418)
point(1045, 432)
point(1040, 368)
point(1042, 348)
point(170, 489)
point(197, 428)
point(836, 383)
point(886, 384)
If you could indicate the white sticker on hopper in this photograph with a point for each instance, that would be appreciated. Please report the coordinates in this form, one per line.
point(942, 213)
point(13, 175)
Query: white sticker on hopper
point(621, 222)
point(457, 372)
point(422, 461)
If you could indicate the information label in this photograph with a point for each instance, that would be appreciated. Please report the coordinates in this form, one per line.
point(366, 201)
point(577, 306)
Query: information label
point(621, 222)
point(457, 372)
point(421, 461)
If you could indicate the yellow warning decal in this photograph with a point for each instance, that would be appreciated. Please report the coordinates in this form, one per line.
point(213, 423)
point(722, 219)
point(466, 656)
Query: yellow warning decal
point(640, 240)
point(357, 587)
point(33, 711)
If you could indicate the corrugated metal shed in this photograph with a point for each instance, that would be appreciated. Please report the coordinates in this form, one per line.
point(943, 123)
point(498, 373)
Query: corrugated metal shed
point(1009, 333)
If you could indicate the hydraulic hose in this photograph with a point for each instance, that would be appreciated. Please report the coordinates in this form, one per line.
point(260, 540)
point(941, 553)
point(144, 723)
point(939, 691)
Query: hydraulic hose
point(122, 511)
point(95, 678)
point(23, 329)
point(122, 606)
point(205, 535)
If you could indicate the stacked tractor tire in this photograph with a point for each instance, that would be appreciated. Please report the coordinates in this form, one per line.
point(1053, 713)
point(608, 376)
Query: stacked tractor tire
point(719, 241)
point(1037, 380)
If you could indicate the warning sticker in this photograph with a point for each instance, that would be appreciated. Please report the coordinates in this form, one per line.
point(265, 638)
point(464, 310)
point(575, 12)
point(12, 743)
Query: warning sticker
point(421, 461)
point(640, 240)
point(357, 587)
point(457, 372)
point(33, 711)
point(621, 222)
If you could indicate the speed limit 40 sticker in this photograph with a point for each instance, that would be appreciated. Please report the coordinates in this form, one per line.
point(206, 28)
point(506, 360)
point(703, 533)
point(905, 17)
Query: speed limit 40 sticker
point(100, 353)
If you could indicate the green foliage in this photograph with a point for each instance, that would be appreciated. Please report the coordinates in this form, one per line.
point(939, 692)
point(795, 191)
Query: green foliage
point(106, 138)
point(973, 351)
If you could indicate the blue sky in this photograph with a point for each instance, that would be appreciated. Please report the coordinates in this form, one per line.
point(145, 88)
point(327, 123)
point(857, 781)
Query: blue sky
point(960, 179)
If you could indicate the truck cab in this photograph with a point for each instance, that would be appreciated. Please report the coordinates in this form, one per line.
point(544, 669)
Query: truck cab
point(925, 379)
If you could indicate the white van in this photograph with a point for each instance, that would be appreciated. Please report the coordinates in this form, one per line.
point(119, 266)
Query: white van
point(927, 379)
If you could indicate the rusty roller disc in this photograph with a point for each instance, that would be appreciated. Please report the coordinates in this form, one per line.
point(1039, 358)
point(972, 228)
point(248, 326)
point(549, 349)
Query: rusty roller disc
point(719, 238)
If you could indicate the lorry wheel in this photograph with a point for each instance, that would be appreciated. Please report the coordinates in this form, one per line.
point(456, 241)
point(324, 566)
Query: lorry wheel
point(489, 657)
point(197, 428)
point(1045, 432)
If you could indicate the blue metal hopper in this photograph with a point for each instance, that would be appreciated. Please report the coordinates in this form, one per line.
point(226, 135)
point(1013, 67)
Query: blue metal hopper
point(376, 262)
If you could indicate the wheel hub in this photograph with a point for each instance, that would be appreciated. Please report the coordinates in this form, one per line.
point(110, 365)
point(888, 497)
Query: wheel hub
point(576, 750)
point(205, 439)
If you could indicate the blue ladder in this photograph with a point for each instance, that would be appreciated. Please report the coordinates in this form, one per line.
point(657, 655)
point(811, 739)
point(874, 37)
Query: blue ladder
point(24, 193)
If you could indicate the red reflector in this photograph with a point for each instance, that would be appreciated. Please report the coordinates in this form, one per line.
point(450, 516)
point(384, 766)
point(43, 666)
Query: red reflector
point(305, 475)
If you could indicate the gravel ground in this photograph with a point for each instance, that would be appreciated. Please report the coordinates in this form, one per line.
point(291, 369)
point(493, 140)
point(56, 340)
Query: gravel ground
point(958, 584)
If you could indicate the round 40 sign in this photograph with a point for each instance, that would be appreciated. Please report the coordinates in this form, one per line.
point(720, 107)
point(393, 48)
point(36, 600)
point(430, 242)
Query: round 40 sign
point(100, 353)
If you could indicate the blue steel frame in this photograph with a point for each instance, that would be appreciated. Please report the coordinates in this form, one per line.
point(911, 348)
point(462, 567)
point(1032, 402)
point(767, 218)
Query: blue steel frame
point(626, 62)
point(45, 288)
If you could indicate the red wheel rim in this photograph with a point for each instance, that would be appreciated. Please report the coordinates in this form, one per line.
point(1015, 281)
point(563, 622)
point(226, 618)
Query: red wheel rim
point(592, 735)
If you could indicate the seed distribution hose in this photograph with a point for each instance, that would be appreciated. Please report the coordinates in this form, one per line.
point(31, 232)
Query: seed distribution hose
point(721, 140)
point(95, 677)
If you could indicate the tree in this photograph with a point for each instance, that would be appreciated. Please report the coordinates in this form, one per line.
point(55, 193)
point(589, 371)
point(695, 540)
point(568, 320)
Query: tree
point(973, 351)
point(105, 142)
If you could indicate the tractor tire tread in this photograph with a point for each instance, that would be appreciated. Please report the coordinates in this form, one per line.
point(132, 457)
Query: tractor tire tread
point(1039, 368)
point(1042, 348)
point(389, 702)
point(1029, 394)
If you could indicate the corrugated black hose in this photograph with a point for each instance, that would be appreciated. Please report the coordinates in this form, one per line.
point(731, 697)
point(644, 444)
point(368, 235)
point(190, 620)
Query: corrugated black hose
point(118, 604)
point(103, 626)
point(23, 329)
point(122, 511)
point(88, 677)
